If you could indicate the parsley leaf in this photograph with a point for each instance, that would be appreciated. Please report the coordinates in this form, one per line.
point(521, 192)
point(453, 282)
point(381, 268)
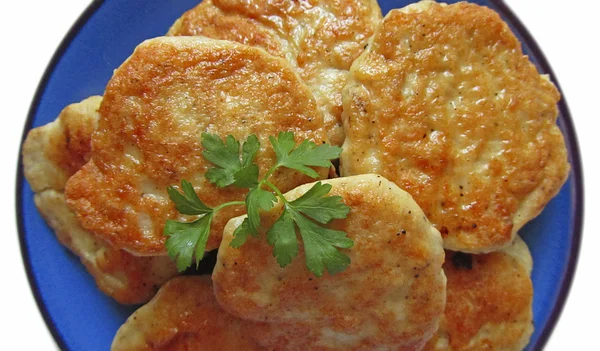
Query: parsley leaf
point(256, 200)
point(226, 156)
point(249, 150)
point(320, 246)
point(187, 202)
point(240, 234)
point(282, 236)
point(320, 243)
point(187, 239)
point(305, 155)
point(307, 214)
point(321, 209)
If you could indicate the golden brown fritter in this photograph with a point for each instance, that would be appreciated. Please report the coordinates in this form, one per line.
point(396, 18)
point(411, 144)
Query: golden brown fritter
point(153, 112)
point(444, 103)
point(489, 301)
point(391, 296)
point(208, 20)
point(320, 38)
point(184, 315)
point(54, 152)
point(51, 154)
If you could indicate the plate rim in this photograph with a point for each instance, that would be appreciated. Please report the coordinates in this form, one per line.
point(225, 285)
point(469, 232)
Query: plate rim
point(83, 18)
point(576, 173)
point(568, 126)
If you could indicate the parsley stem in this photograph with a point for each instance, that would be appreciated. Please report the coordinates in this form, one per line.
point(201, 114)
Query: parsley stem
point(277, 191)
point(227, 204)
point(270, 171)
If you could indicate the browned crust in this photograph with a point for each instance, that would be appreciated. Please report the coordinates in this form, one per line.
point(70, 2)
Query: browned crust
point(320, 38)
point(208, 20)
point(51, 154)
point(154, 110)
point(184, 315)
point(452, 111)
point(488, 305)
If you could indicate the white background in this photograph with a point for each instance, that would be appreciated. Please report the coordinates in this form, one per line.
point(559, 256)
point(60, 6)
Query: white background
point(569, 36)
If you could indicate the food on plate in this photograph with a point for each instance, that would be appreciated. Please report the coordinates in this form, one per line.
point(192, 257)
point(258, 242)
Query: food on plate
point(319, 38)
point(207, 19)
point(444, 103)
point(391, 296)
point(449, 141)
point(51, 154)
point(127, 278)
point(184, 315)
point(154, 109)
point(54, 152)
point(234, 166)
point(489, 301)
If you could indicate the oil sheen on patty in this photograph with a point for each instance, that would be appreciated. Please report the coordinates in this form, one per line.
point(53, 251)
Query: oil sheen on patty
point(51, 154)
point(152, 115)
point(444, 103)
point(184, 315)
point(320, 39)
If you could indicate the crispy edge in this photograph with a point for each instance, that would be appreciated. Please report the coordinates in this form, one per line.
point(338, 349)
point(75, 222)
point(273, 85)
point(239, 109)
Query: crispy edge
point(183, 315)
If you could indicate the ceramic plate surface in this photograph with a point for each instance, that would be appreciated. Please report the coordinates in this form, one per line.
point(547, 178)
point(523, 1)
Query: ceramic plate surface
point(82, 318)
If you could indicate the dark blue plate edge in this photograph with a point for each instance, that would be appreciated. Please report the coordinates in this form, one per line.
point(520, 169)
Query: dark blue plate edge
point(64, 45)
point(577, 171)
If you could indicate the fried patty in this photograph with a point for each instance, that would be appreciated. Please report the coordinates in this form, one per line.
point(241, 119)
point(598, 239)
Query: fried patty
point(51, 154)
point(320, 38)
point(153, 112)
point(391, 296)
point(444, 103)
point(489, 301)
point(184, 315)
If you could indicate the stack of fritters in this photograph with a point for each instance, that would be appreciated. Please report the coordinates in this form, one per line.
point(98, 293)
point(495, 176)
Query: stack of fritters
point(53, 153)
point(391, 297)
point(434, 102)
point(319, 38)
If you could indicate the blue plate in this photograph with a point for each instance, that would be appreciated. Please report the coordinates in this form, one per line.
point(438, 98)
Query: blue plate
point(82, 318)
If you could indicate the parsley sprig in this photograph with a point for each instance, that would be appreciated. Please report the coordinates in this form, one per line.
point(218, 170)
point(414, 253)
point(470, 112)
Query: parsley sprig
point(306, 215)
